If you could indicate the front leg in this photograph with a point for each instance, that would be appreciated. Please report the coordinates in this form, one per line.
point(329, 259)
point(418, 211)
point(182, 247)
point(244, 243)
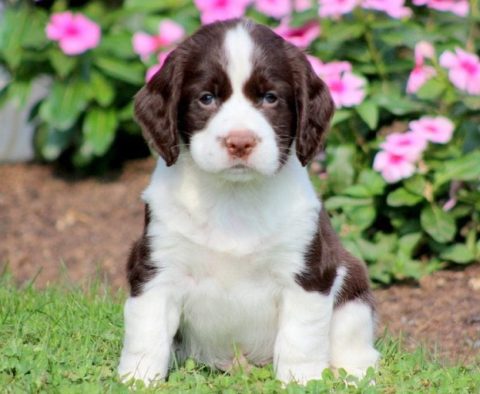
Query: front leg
point(151, 321)
point(302, 347)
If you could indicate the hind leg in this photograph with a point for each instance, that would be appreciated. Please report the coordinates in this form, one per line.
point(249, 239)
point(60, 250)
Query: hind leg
point(351, 338)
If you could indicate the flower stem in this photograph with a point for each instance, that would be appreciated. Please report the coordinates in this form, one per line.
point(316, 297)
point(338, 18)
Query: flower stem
point(374, 52)
point(473, 32)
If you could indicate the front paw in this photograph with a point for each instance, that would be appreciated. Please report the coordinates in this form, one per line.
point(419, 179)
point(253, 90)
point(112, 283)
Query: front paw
point(144, 367)
point(300, 373)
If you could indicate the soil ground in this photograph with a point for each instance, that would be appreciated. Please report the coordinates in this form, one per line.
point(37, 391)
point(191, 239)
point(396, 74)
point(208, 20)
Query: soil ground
point(54, 229)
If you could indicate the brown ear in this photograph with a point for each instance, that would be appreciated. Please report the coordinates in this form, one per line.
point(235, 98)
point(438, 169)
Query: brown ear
point(156, 109)
point(315, 108)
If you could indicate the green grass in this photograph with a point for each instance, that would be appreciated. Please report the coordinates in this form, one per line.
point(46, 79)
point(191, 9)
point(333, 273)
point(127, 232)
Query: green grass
point(63, 340)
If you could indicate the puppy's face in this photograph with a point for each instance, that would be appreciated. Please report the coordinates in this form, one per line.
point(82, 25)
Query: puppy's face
point(238, 96)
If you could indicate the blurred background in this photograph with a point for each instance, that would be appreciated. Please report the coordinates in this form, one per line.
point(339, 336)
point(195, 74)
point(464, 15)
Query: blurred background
point(400, 175)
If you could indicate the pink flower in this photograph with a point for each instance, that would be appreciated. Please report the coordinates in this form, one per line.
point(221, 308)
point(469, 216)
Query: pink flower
point(424, 50)
point(421, 73)
point(169, 32)
point(464, 70)
point(393, 167)
point(218, 10)
point(302, 5)
point(346, 88)
point(335, 8)
point(393, 8)
point(324, 69)
point(409, 145)
point(316, 64)
point(300, 36)
point(75, 33)
point(438, 129)
point(418, 76)
point(274, 8)
point(156, 67)
point(458, 7)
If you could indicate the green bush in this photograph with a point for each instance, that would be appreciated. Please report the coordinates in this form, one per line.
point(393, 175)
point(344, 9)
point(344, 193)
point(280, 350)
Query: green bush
point(403, 228)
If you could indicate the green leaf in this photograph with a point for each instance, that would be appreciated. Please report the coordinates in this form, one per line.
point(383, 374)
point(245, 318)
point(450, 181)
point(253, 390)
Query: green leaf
point(395, 104)
point(408, 243)
point(357, 191)
point(18, 92)
point(84, 155)
point(346, 202)
point(373, 181)
point(402, 197)
point(118, 44)
point(469, 131)
point(132, 72)
point(64, 104)
point(340, 167)
point(368, 111)
point(472, 102)
point(465, 168)
point(62, 63)
point(405, 267)
point(362, 216)
point(431, 90)
point(154, 5)
point(13, 27)
point(35, 37)
point(52, 142)
point(99, 129)
point(437, 223)
point(102, 90)
point(340, 116)
point(416, 185)
point(458, 253)
point(345, 32)
point(353, 248)
point(402, 35)
point(373, 251)
point(126, 113)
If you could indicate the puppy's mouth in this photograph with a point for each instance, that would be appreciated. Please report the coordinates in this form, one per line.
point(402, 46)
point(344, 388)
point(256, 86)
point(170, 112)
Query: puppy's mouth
point(240, 172)
point(240, 167)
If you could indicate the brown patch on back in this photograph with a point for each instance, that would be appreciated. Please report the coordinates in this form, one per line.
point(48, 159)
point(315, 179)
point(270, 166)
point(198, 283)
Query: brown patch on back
point(322, 258)
point(139, 268)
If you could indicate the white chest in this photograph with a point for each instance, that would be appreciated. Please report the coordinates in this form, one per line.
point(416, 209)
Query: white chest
point(229, 302)
point(230, 306)
point(229, 256)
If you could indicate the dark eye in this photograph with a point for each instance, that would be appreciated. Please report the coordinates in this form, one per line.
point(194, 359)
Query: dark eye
point(270, 98)
point(207, 99)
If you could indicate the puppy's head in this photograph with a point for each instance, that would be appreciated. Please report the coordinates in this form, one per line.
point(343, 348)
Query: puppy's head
point(237, 96)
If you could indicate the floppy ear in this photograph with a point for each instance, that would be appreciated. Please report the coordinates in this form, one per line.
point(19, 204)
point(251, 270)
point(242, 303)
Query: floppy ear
point(315, 108)
point(156, 109)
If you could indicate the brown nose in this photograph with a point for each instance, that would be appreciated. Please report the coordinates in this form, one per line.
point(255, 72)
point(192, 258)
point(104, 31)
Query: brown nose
point(240, 143)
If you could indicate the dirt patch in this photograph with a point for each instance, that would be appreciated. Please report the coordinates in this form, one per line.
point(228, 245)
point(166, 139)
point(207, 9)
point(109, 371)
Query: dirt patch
point(51, 227)
point(55, 229)
point(442, 312)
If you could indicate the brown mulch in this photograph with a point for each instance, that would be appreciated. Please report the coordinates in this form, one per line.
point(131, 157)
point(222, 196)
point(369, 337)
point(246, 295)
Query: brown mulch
point(57, 229)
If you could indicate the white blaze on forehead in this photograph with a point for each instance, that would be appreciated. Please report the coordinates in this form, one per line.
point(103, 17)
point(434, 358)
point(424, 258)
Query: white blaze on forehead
point(239, 50)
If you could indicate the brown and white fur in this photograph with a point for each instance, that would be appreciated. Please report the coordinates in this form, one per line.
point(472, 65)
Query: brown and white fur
point(237, 255)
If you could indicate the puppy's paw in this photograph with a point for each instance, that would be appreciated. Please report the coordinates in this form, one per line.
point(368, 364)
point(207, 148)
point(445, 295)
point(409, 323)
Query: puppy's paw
point(300, 373)
point(356, 363)
point(144, 367)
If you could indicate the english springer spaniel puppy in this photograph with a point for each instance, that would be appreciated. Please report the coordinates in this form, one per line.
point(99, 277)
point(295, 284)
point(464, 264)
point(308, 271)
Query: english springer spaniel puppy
point(238, 257)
